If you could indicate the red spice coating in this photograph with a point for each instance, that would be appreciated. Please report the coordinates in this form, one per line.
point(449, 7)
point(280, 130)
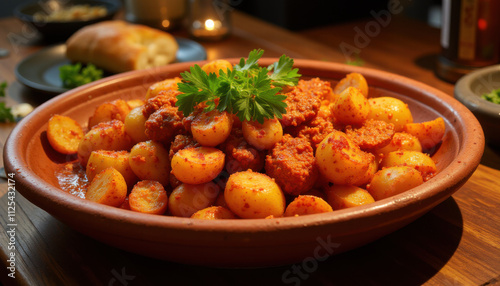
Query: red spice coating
point(164, 97)
point(303, 103)
point(241, 156)
point(373, 134)
point(180, 142)
point(292, 164)
point(315, 131)
point(164, 124)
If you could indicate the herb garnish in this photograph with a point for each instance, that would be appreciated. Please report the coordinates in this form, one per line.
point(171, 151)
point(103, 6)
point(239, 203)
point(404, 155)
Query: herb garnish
point(74, 75)
point(249, 91)
point(5, 112)
point(493, 96)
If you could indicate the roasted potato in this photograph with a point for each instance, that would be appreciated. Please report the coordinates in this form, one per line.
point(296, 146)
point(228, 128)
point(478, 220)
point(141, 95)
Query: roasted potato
point(254, 195)
point(108, 188)
point(341, 161)
point(187, 199)
point(150, 161)
point(64, 134)
point(197, 165)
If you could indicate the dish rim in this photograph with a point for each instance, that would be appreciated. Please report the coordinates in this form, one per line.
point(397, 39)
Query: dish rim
point(464, 93)
point(437, 189)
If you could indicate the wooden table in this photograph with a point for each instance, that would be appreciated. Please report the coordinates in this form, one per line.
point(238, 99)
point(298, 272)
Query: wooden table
point(457, 243)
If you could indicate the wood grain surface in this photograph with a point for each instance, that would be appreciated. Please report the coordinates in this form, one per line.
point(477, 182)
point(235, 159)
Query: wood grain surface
point(457, 243)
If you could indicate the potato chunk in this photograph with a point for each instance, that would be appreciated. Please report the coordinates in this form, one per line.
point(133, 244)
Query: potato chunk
point(216, 66)
point(148, 197)
point(211, 128)
point(107, 188)
point(390, 110)
point(341, 197)
point(341, 161)
point(150, 161)
point(401, 141)
point(254, 195)
point(116, 109)
point(104, 136)
point(64, 134)
point(197, 165)
point(167, 84)
point(262, 136)
point(429, 133)
point(418, 160)
point(135, 124)
point(214, 212)
point(305, 204)
point(119, 160)
point(351, 108)
point(355, 80)
point(187, 199)
point(392, 181)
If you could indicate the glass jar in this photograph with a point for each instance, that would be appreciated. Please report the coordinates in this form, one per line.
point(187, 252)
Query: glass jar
point(160, 14)
point(209, 19)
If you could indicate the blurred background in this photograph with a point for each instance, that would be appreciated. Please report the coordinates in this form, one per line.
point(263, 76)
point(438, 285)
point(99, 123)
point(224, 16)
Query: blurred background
point(303, 14)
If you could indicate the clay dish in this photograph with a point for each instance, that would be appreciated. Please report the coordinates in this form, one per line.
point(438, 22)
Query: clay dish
point(242, 243)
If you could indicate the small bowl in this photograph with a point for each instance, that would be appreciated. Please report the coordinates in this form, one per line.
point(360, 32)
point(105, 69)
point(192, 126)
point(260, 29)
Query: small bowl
point(250, 242)
point(59, 30)
point(468, 90)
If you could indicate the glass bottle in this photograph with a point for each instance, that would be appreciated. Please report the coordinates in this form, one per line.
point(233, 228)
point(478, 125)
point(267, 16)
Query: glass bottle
point(470, 37)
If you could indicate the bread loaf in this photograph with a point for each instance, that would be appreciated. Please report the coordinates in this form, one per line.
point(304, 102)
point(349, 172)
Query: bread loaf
point(118, 46)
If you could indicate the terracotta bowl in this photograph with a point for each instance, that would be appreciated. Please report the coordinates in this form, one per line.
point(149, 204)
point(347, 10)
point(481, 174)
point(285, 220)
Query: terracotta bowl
point(242, 243)
point(468, 91)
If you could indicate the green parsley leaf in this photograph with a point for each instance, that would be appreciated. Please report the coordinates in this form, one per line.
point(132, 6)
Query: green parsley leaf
point(3, 87)
point(251, 62)
point(283, 73)
point(5, 113)
point(74, 75)
point(249, 91)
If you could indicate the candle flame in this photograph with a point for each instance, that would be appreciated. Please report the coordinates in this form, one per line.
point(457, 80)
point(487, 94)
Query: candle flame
point(209, 24)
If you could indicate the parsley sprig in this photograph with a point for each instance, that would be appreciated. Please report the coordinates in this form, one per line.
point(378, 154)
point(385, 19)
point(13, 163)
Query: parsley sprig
point(250, 91)
point(74, 75)
point(5, 112)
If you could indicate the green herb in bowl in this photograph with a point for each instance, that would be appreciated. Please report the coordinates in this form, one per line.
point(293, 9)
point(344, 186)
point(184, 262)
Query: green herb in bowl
point(493, 96)
point(75, 75)
point(250, 91)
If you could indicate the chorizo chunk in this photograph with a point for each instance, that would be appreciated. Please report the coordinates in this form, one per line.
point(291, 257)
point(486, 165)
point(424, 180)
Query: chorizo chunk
point(182, 142)
point(292, 164)
point(164, 97)
point(303, 105)
point(164, 124)
point(241, 156)
point(314, 131)
point(320, 88)
point(373, 134)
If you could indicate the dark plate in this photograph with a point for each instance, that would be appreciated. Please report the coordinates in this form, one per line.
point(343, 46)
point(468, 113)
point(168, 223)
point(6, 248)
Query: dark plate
point(40, 71)
point(58, 30)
